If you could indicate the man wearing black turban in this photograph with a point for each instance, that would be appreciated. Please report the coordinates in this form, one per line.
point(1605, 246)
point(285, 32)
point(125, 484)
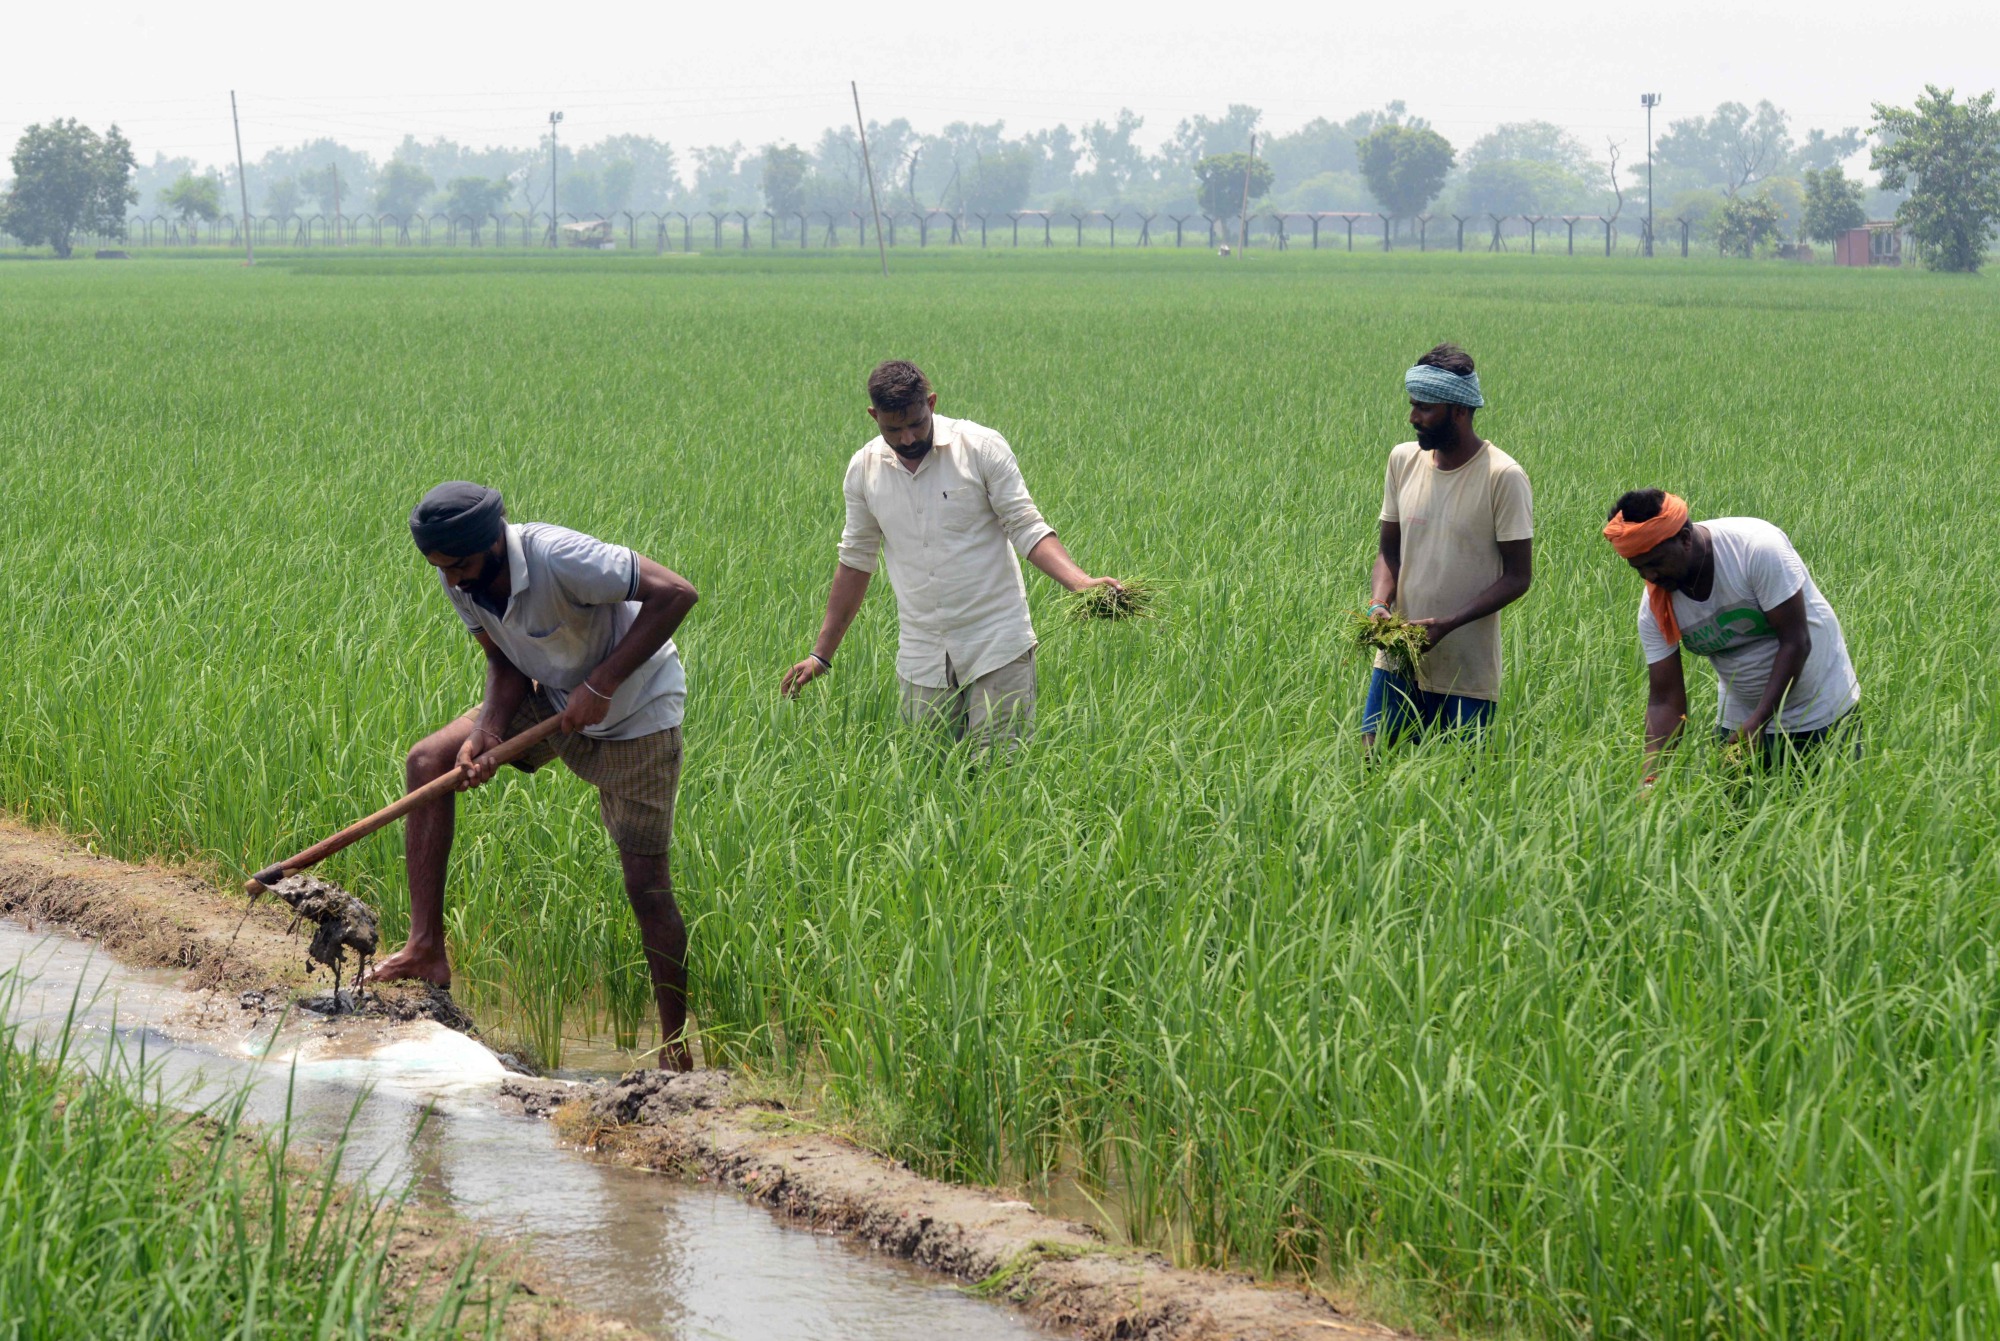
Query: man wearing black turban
point(571, 628)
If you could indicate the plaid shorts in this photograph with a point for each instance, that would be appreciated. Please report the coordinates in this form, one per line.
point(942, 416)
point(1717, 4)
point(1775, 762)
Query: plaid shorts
point(636, 779)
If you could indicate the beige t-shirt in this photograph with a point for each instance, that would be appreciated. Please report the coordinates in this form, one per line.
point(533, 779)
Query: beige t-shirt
point(1453, 522)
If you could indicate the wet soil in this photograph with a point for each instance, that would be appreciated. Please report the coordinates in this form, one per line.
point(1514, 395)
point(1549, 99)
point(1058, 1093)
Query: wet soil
point(153, 918)
point(340, 922)
point(1061, 1272)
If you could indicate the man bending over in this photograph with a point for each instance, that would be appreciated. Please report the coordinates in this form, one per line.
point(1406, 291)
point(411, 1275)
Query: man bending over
point(570, 627)
point(1735, 591)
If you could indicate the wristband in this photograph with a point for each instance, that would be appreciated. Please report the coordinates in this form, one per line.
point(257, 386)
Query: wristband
point(595, 690)
point(821, 660)
point(1383, 606)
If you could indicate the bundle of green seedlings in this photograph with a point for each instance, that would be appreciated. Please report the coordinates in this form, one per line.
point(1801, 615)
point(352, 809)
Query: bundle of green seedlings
point(1131, 599)
point(1402, 641)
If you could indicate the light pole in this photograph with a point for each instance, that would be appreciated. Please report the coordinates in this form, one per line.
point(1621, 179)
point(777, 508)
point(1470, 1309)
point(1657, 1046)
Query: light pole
point(1649, 101)
point(555, 119)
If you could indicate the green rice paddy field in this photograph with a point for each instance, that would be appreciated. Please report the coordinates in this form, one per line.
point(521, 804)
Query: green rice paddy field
point(1478, 1026)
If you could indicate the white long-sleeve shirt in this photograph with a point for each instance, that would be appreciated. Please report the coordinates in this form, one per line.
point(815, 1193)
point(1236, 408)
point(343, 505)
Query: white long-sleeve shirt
point(945, 531)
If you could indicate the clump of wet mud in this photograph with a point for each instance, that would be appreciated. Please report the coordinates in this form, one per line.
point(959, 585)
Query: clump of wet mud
point(340, 921)
point(403, 1002)
point(653, 1098)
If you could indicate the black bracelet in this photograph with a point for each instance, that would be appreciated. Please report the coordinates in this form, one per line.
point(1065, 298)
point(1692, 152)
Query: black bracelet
point(821, 660)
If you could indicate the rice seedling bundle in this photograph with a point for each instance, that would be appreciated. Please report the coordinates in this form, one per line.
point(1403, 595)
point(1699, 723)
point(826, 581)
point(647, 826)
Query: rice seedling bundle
point(1132, 598)
point(1717, 1064)
point(1403, 642)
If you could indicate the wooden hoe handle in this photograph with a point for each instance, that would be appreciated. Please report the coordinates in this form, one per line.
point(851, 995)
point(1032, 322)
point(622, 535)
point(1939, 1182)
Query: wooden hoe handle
point(505, 752)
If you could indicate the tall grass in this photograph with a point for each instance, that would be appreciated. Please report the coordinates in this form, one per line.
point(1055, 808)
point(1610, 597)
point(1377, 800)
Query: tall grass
point(120, 1217)
point(1722, 1062)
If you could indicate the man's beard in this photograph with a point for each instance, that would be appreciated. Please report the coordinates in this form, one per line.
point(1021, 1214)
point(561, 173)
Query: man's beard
point(1437, 439)
point(916, 453)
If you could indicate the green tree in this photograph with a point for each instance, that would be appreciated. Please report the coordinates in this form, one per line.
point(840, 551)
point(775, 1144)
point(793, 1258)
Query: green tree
point(1533, 142)
point(1404, 167)
point(1521, 186)
point(193, 198)
point(1731, 149)
point(329, 187)
point(281, 197)
point(1833, 205)
point(402, 189)
point(1947, 155)
point(1744, 222)
point(68, 180)
point(786, 167)
point(473, 199)
point(1223, 178)
point(999, 182)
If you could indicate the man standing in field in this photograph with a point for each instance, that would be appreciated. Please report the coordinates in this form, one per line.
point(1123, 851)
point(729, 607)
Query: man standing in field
point(1735, 591)
point(942, 500)
point(1457, 546)
point(572, 627)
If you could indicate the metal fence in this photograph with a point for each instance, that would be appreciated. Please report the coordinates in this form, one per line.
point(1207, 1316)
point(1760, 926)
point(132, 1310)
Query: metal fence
point(744, 230)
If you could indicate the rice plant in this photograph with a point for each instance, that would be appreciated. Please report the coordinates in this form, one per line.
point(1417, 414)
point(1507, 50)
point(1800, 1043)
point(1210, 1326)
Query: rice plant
point(1717, 1063)
point(120, 1217)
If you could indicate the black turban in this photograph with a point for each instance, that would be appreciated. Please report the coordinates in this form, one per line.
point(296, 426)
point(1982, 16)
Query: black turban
point(458, 518)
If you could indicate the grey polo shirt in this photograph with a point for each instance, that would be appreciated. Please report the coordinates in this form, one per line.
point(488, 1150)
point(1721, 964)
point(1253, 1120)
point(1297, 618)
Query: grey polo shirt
point(572, 601)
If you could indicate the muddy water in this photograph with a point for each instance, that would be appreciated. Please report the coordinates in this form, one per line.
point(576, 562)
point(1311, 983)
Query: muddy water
point(679, 1259)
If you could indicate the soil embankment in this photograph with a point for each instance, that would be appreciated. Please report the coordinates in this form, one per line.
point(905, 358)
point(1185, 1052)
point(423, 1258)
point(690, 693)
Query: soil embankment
point(1062, 1273)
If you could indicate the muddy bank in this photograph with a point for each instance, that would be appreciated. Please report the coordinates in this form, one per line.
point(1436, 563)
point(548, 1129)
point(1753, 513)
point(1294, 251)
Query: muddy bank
point(152, 918)
point(1062, 1273)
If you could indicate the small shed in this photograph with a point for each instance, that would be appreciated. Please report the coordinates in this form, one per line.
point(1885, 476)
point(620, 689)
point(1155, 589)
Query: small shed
point(1880, 242)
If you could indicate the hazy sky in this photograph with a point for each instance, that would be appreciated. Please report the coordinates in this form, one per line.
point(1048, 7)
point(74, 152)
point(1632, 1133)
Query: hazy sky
point(716, 72)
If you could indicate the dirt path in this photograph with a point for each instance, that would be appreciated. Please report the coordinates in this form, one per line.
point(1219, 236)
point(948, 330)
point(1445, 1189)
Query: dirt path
point(1062, 1273)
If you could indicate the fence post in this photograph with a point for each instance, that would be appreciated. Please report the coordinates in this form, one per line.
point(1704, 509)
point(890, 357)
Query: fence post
point(1146, 228)
point(1686, 225)
point(1048, 229)
point(1388, 220)
point(1498, 243)
point(1423, 232)
point(1352, 219)
point(1112, 219)
point(1607, 235)
point(1534, 231)
point(1015, 219)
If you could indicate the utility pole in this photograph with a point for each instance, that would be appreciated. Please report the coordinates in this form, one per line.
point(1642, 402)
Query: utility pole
point(242, 186)
point(555, 119)
point(873, 203)
point(1649, 101)
point(1243, 221)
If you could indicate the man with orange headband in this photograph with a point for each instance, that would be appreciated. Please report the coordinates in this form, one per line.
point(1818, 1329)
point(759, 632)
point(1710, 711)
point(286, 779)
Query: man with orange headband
point(1456, 546)
point(1735, 591)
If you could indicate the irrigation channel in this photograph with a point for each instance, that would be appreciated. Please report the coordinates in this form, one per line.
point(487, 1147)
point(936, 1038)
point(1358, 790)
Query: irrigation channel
point(674, 1257)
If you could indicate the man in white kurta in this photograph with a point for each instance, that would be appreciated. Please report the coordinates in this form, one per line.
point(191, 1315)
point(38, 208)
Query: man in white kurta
point(941, 502)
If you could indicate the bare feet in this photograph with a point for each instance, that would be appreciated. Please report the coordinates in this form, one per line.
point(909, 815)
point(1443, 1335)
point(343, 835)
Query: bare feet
point(676, 1057)
point(413, 961)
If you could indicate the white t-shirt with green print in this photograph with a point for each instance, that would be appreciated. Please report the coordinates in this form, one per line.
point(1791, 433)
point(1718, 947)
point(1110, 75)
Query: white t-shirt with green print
point(1756, 569)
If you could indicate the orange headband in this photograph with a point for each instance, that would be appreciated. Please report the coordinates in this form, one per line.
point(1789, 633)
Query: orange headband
point(1631, 539)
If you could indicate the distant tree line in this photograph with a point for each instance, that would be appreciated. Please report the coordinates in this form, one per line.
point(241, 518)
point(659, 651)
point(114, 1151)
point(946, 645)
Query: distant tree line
point(1739, 173)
